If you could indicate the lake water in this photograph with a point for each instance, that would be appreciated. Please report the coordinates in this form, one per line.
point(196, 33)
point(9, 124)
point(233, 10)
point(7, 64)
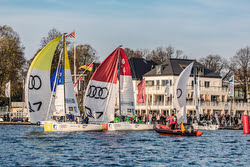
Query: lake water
point(30, 146)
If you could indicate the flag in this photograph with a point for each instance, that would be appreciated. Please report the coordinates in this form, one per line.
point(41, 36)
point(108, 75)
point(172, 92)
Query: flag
point(7, 89)
point(71, 35)
point(231, 87)
point(141, 92)
point(87, 67)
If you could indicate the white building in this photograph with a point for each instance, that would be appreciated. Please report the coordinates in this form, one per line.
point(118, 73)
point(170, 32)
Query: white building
point(213, 96)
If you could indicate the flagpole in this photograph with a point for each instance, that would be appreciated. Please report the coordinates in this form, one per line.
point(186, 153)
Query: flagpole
point(10, 98)
point(74, 58)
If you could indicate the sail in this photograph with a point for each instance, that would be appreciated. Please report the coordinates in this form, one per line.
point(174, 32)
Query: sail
point(180, 93)
point(71, 105)
point(196, 94)
point(127, 106)
point(99, 102)
point(37, 88)
point(59, 89)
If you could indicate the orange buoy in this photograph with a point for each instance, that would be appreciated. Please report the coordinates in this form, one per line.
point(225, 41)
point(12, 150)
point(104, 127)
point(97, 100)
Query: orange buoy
point(245, 120)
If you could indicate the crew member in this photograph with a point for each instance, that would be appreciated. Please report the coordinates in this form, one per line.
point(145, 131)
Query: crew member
point(173, 121)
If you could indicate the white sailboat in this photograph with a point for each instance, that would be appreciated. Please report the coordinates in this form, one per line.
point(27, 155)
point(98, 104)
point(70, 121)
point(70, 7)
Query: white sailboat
point(99, 101)
point(198, 109)
point(42, 106)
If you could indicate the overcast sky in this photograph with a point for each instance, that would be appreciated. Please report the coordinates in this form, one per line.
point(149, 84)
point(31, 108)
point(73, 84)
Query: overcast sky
point(197, 27)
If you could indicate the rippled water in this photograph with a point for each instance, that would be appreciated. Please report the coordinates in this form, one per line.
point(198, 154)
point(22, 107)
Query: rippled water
point(29, 146)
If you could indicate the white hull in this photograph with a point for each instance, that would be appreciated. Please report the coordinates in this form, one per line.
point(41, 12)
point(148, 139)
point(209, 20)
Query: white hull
point(205, 127)
point(72, 127)
point(128, 126)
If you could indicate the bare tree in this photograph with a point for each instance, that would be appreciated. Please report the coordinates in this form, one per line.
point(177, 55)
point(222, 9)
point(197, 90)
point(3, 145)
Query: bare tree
point(216, 63)
point(240, 64)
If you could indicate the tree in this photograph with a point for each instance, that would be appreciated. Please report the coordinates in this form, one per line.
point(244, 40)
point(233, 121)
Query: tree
point(11, 64)
point(240, 64)
point(138, 53)
point(161, 54)
point(217, 64)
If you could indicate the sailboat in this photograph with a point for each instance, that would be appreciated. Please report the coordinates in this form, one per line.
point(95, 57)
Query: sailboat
point(198, 109)
point(100, 97)
point(179, 102)
point(41, 103)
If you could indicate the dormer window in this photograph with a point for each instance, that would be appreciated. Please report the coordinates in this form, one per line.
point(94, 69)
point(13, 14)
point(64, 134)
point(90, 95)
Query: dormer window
point(158, 69)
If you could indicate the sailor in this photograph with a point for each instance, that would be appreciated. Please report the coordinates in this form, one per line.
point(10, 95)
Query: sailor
point(173, 121)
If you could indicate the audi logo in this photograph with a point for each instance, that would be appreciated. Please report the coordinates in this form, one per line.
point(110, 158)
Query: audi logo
point(35, 82)
point(97, 92)
point(179, 93)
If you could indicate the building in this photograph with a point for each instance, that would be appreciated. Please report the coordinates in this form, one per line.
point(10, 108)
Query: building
point(213, 96)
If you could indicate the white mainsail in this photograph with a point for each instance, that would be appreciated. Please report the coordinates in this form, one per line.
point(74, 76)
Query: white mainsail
point(99, 102)
point(180, 94)
point(126, 87)
point(37, 88)
point(70, 97)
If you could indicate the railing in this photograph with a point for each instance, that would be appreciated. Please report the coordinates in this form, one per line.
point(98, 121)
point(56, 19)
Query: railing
point(189, 87)
point(208, 104)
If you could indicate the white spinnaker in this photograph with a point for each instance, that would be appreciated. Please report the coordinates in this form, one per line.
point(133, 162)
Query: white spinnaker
point(37, 88)
point(180, 92)
point(100, 109)
point(99, 101)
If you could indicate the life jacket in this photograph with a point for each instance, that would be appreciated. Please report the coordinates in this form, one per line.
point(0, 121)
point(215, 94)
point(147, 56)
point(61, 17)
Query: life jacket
point(173, 120)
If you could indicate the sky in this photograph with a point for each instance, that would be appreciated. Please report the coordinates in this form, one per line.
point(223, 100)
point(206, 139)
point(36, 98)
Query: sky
point(197, 27)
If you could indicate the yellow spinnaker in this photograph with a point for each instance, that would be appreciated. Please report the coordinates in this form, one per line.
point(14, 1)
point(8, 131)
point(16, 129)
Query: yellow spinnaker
point(45, 56)
point(66, 58)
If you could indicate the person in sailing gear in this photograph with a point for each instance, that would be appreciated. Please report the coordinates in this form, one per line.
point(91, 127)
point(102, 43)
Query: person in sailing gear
point(173, 121)
point(86, 119)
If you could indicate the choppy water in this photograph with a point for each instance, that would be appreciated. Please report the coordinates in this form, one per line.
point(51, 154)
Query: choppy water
point(29, 146)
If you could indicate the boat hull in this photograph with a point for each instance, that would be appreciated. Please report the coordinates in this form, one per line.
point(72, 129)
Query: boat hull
point(208, 127)
point(72, 127)
point(124, 126)
point(164, 130)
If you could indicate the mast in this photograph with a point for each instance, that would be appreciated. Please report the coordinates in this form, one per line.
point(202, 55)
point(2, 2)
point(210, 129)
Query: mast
point(119, 65)
point(63, 62)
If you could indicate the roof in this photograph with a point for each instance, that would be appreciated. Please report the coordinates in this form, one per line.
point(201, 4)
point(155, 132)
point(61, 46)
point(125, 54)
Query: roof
point(175, 67)
point(140, 66)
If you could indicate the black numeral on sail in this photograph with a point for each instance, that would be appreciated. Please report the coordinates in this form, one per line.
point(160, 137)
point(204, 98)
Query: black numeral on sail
point(35, 82)
point(90, 114)
point(38, 104)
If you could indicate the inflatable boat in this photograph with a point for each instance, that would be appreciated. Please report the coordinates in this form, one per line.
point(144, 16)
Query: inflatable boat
point(165, 130)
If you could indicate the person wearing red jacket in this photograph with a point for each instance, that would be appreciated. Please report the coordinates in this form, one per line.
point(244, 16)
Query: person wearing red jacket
point(173, 121)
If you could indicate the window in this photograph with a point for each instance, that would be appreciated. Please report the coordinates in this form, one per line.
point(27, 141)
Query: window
point(164, 82)
point(157, 82)
point(158, 69)
point(207, 84)
point(150, 83)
